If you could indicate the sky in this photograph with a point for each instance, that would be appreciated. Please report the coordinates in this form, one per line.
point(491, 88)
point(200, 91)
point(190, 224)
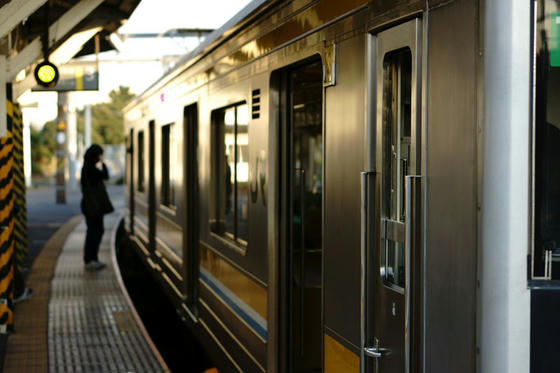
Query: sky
point(138, 57)
point(162, 15)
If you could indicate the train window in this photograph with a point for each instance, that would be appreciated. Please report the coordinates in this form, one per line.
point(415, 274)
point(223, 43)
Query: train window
point(397, 73)
point(168, 160)
point(546, 246)
point(141, 159)
point(230, 152)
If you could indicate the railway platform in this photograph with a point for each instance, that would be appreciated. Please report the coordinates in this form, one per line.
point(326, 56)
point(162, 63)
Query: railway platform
point(78, 320)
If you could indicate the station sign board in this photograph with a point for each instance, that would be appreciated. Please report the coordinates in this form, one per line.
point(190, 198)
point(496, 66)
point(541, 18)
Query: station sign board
point(75, 76)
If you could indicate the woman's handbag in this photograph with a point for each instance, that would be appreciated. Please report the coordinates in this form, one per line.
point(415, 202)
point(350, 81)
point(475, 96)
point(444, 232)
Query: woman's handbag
point(96, 201)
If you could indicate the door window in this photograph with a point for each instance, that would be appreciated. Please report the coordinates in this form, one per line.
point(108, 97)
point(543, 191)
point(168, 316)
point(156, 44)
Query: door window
point(397, 72)
point(392, 326)
point(230, 150)
point(546, 249)
point(305, 164)
point(141, 165)
point(168, 161)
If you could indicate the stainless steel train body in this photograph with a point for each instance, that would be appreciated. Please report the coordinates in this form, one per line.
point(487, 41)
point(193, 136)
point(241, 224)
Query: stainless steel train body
point(347, 185)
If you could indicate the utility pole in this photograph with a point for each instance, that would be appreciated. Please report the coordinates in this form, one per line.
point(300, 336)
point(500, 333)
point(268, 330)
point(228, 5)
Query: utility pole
point(72, 131)
point(87, 125)
point(61, 148)
point(27, 155)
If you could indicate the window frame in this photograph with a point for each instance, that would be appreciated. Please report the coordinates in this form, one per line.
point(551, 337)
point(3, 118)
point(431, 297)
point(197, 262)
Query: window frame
point(170, 201)
point(141, 162)
point(541, 260)
point(218, 217)
point(395, 171)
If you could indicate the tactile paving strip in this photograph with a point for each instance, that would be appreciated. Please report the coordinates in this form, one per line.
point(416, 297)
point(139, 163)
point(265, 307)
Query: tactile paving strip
point(86, 313)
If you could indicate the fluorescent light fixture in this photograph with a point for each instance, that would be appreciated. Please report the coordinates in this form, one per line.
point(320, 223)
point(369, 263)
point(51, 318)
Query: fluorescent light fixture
point(117, 41)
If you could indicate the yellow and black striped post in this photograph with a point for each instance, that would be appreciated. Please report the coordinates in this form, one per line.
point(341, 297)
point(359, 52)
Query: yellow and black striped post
point(7, 222)
point(20, 209)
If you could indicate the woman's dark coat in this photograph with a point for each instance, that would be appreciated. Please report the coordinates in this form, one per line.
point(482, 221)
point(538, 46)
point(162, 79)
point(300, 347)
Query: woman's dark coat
point(95, 201)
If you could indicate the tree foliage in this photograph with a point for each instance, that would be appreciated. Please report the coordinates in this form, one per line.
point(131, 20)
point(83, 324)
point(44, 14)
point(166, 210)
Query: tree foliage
point(107, 127)
point(43, 146)
point(107, 123)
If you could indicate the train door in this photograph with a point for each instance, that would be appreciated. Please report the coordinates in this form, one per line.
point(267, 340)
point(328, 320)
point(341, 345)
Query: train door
point(152, 186)
point(131, 180)
point(190, 186)
point(393, 255)
point(302, 226)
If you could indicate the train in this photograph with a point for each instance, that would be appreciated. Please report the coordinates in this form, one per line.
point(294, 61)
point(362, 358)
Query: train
point(358, 186)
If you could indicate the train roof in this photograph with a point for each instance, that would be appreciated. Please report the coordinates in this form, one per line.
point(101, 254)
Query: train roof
point(210, 43)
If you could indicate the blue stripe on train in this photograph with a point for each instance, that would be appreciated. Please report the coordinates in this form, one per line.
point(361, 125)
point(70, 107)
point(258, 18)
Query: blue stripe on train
point(238, 306)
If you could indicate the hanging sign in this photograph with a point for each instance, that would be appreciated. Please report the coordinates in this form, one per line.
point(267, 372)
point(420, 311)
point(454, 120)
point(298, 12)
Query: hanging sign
point(75, 76)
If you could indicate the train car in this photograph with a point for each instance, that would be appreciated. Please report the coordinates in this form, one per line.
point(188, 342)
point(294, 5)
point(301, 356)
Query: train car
point(347, 186)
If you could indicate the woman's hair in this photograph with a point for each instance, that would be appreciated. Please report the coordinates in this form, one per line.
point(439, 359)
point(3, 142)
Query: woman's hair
point(91, 157)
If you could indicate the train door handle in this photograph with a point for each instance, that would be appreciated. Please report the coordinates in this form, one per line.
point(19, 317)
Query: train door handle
point(377, 352)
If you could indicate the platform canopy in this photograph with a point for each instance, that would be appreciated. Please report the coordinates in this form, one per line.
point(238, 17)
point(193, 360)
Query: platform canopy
point(72, 27)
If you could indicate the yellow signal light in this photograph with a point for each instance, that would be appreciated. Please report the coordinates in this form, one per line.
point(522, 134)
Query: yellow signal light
point(46, 74)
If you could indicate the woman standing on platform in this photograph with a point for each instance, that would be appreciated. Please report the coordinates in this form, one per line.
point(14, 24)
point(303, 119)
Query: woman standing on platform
point(95, 203)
